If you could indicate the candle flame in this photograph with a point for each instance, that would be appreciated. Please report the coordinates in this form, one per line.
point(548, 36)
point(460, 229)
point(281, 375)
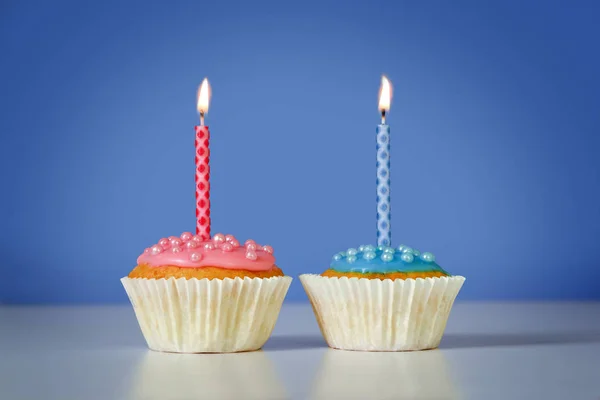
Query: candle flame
point(385, 94)
point(204, 93)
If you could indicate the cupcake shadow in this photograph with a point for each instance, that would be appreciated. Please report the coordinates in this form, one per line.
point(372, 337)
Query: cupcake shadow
point(295, 342)
point(166, 376)
point(384, 375)
point(471, 340)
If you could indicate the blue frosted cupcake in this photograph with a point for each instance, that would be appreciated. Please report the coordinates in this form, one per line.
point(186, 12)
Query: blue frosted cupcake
point(382, 299)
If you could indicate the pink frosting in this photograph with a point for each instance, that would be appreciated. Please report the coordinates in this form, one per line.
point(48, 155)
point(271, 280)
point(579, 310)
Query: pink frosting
point(222, 251)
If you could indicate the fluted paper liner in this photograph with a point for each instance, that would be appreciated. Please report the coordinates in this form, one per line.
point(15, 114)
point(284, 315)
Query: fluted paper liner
point(382, 315)
point(206, 316)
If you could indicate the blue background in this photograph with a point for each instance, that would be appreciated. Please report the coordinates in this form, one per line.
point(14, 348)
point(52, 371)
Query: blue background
point(495, 137)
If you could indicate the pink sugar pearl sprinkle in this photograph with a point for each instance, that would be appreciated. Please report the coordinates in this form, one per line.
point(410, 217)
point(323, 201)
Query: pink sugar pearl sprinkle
point(219, 238)
point(185, 236)
point(156, 250)
point(192, 244)
point(227, 247)
point(229, 238)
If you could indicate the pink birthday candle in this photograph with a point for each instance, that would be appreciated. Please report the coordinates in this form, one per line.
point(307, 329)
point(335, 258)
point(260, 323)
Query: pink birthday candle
point(202, 165)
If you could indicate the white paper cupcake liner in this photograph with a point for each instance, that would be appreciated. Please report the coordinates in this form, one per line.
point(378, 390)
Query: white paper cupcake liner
point(382, 315)
point(206, 316)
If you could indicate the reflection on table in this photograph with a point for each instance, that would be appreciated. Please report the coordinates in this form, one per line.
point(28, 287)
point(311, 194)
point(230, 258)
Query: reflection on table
point(384, 375)
point(166, 376)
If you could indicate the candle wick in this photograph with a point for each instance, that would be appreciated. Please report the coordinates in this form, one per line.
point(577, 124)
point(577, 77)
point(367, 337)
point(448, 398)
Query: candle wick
point(383, 117)
point(201, 118)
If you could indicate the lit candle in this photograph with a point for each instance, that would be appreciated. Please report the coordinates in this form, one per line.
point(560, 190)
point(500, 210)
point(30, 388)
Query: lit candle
point(384, 228)
point(202, 165)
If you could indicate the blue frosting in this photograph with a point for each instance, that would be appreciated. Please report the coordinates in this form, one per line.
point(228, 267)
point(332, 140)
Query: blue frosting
point(382, 259)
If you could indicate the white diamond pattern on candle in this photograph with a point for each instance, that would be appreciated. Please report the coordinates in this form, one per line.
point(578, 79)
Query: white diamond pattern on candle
point(384, 232)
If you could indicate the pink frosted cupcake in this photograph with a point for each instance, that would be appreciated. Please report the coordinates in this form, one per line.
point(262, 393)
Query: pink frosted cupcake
point(215, 296)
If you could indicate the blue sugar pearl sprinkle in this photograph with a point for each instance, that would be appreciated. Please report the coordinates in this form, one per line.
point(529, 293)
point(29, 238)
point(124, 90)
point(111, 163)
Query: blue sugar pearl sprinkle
point(390, 250)
point(416, 252)
point(351, 259)
point(387, 257)
point(407, 250)
point(428, 257)
point(351, 252)
point(407, 257)
point(369, 248)
point(369, 255)
point(337, 257)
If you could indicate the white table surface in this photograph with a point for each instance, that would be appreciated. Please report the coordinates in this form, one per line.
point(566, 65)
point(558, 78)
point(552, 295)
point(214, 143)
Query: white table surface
point(489, 351)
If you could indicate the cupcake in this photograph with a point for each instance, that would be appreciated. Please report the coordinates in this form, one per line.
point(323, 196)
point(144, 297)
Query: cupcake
point(212, 296)
point(382, 299)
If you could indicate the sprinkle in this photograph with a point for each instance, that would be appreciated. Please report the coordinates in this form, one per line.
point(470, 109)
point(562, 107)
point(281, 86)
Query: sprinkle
point(227, 247)
point(185, 236)
point(218, 238)
point(387, 257)
point(407, 257)
point(229, 238)
point(369, 255)
point(192, 244)
point(155, 250)
point(428, 257)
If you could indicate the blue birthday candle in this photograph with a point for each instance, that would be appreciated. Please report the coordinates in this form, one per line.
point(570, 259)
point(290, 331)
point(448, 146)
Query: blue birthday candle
point(384, 226)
